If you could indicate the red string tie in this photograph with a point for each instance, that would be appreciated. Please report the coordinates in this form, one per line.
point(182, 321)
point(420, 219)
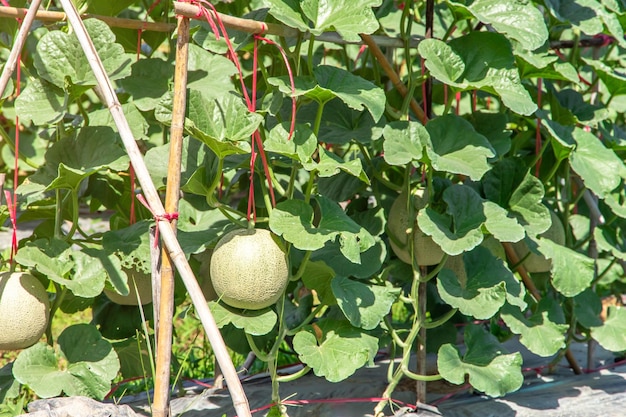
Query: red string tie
point(169, 217)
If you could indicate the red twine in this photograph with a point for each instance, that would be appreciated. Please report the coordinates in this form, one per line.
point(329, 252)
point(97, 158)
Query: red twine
point(12, 206)
point(169, 217)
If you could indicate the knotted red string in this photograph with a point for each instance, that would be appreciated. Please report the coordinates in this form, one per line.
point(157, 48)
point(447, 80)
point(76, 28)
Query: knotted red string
point(169, 217)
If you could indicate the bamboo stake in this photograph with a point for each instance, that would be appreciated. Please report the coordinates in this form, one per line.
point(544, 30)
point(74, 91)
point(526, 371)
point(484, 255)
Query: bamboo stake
point(18, 45)
point(175, 252)
point(47, 16)
point(160, 406)
point(391, 73)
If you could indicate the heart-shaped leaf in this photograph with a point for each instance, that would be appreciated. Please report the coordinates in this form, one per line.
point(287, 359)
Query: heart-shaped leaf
point(41, 103)
point(572, 272)
point(612, 334)
point(59, 55)
point(253, 322)
point(363, 304)
point(456, 147)
point(338, 340)
point(404, 142)
point(489, 368)
point(91, 364)
point(543, 333)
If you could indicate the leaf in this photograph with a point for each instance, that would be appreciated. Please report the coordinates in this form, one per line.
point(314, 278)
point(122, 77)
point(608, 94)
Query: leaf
point(318, 277)
point(59, 55)
point(91, 365)
point(599, 167)
point(293, 220)
point(137, 123)
point(456, 147)
point(40, 103)
point(572, 272)
point(404, 142)
point(342, 124)
point(371, 260)
point(612, 334)
point(486, 287)
point(500, 225)
point(613, 78)
point(81, 273)
point(543, 333)
point(526, 204)
point(582, 14)
point(331, 164)
point(490, 67)
point(209, 73)
point(587, 308)
point(300, 147)
point(363, 304)
point(489, 368)
point(70, 160)
point(341, 351)
point(330, 82)
point(340, 15)
point(521, 21)
point(148, 82)
point(224, 124)
point(253, 322)
point(131, 245)
point(464, 212)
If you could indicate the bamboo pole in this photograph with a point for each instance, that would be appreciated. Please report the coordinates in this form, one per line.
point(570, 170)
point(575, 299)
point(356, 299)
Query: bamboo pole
point(18, 45)
point(51, 16)
point(175, 252)
point(160, 407)
point(391, 73)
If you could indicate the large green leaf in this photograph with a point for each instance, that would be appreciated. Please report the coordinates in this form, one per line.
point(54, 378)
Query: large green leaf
point(137, 122)
point(543, 333)
point(80, 272)
point(572, 272)
point(599, 167)
point(455, 147)
point(520, 20)
point(72, 159)
point(612, 334)
point(59, 55)
point(40, 102)
point(224, 124)
point(148, 82)
point(459, 229)
point(371, 260)
point(404, 142)
point(331, 164)
point(487, 285)
point(90, 365)
point(293, 220)
point(300, 147)
point(363, 304)
point(489, 368)
point(500, 225)
point(341, 350)
point(613, 79)
point(582, 14)
point(491, 67)
point(329, 82)
point(318, 276)
point(318, 16)
point(253, 322)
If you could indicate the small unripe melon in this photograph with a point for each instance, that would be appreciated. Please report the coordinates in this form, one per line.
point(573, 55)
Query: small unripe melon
point(537, 262)
point(249, 269)
point(427, 252)
point(24, 310)
point(142, 281)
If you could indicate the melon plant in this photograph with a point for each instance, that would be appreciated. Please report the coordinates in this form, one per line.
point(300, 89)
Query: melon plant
point(536, 262)
point(24, 310)
point(400, 228)
point(249, 269)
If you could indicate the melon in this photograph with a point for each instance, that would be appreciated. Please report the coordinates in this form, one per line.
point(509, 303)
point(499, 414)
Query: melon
point(249, 270)
point(143, 284)
point(24, 310)
point(427, 252)
point(536, 262)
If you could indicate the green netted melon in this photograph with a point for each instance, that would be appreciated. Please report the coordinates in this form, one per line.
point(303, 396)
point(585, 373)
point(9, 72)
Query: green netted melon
point(427, 252)
point(24, 310)
point(143, 284)
point(537, 262)
point(249, 269)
